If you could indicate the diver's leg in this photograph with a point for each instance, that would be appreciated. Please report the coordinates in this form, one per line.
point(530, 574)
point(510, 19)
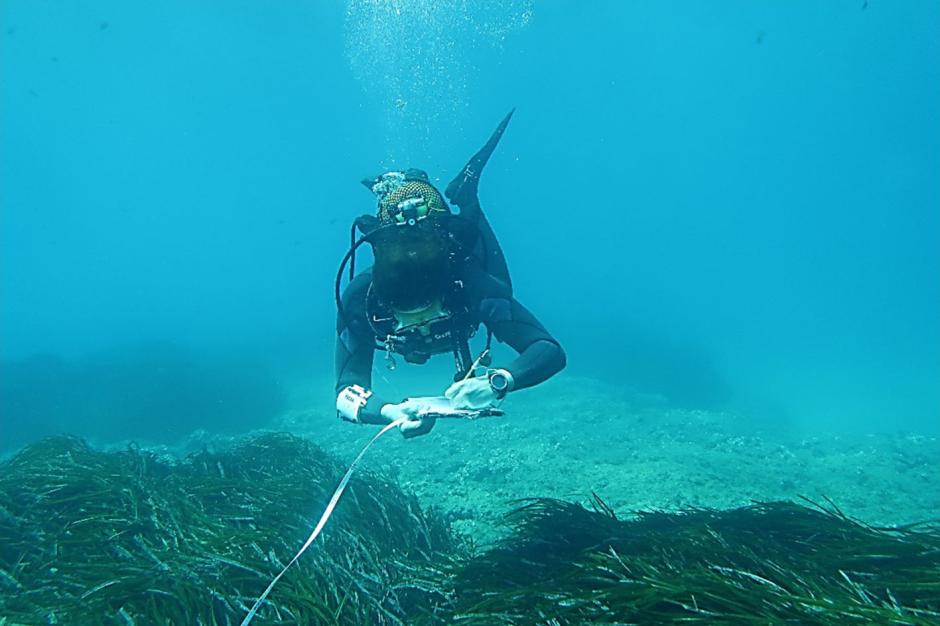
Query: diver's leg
point(463, 189)
point(462, 192)
point(494, 261)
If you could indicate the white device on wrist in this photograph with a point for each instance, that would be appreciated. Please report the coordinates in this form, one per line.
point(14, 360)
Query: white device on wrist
point(350, 401)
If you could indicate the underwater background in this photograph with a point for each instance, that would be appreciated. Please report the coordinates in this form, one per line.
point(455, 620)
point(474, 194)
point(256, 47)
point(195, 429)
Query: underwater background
point(728, 213)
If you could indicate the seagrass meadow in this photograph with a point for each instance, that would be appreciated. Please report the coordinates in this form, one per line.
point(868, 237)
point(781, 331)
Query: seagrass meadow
point(130, 537)
point(123, 537)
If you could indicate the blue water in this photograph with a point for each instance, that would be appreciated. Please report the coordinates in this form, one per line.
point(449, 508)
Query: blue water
point(727, 205)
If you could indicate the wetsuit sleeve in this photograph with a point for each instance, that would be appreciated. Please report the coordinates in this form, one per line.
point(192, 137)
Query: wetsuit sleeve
point(540, 355)
point(355, 348)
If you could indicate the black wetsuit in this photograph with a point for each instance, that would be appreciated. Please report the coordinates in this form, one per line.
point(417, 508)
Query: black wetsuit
point(476, 298)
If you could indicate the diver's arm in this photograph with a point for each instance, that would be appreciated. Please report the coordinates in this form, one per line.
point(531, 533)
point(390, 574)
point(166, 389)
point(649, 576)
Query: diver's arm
point(355, 349)
point(355, 402)
point(540, 355)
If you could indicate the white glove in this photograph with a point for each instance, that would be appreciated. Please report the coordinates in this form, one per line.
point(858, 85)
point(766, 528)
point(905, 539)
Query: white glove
point(472, 393)
point(410, 409)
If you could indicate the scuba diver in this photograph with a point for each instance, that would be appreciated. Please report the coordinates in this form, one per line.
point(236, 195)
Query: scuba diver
point(437, 277)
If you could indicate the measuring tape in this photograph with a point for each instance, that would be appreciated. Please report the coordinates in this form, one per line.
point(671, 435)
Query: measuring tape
point(323, 518)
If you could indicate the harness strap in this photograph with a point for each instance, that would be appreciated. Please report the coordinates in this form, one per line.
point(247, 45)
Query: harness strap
point(462, 358)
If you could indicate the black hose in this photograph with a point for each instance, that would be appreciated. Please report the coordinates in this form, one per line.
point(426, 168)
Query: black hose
point(350, 257)
point(351, 253)
point(352, 243)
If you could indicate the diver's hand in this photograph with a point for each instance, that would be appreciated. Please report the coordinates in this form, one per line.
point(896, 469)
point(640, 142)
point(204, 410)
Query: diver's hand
point(472, 393)
point(418, 427)
point(410, 409)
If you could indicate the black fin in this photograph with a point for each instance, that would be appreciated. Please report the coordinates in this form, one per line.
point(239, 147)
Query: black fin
point(463, 189)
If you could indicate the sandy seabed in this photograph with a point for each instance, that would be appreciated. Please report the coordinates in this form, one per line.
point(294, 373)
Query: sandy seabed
point(575, 436)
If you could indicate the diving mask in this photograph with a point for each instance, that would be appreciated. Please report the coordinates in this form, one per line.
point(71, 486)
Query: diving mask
point(421, 317)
